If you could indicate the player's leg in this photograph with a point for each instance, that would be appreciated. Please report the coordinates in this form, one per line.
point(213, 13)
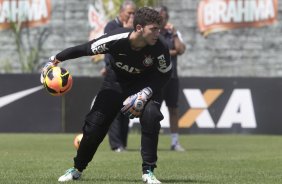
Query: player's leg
point(150, 127)
point(116, 133)
point(171, 98)
point(124, 129)
point(95, 128)
point(96, 125)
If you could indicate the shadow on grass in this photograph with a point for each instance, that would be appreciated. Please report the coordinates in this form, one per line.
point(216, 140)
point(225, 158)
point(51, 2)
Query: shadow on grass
point(107, 180)
point(133, 150)
point(117, 180)
point(124, 180)
point(183, 181)
point(187, 150)
point(168, 150)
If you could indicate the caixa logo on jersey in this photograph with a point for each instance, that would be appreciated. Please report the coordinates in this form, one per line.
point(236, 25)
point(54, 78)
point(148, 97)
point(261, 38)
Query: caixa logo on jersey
point(238, 109)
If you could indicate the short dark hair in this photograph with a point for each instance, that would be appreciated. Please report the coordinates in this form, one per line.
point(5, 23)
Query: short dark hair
point(145, 16)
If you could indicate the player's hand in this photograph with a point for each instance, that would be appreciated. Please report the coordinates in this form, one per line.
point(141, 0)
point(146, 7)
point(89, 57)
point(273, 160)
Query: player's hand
point(134, 104)
point(50, 64)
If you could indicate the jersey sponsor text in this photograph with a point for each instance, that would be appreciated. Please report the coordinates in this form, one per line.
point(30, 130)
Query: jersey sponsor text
point(99, 49)
point(163, 64)
point(127, 68)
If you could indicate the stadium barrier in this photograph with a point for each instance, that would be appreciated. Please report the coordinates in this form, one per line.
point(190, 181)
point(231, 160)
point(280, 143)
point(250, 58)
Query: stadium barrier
point(207, 105)
point(26, 107)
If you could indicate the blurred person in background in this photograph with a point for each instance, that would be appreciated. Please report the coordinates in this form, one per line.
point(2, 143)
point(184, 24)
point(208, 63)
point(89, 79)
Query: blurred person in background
point(118, 131)
point(171, 90)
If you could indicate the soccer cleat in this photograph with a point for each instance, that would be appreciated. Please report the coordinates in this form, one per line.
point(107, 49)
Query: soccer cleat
point(177, 147)
point(119, 149)
point(70, 175)
point(150, 178)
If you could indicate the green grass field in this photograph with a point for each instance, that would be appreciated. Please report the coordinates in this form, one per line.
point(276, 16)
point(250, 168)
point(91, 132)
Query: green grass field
point(214, 159)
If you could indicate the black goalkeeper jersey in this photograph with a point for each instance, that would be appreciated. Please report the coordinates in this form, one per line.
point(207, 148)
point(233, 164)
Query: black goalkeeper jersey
point(153, 60)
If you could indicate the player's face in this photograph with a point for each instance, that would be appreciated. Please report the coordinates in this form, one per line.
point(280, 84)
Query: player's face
point(151, 33)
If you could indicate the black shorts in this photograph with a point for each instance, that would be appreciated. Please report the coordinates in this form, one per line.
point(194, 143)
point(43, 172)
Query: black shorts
point(170, 92)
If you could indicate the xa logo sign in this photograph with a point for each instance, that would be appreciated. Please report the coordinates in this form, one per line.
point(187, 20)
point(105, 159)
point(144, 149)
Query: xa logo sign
point(239, 109)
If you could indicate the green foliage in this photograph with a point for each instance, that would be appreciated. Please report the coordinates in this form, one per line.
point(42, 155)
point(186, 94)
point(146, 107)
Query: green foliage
point(29, 46)
point(6, 66)
point(111, 7)
point(28, 50)
point(141, 3)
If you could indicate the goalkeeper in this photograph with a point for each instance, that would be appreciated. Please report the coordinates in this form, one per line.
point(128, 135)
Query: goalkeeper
point(139, 69)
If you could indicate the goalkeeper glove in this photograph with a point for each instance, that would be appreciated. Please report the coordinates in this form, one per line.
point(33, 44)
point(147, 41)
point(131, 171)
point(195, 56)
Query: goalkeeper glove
point(134, 104)
point(50, 64)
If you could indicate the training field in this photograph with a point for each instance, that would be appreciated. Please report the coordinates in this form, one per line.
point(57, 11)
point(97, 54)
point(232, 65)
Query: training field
point(214, 159)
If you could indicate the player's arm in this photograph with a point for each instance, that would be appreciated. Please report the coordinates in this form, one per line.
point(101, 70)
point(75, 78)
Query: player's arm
point(178, 43)
point(163, 71)
point(86, 49)
point(101, 45)
point(179, 46)
point(108, 28)
point(69, 53)
point(76, 51)
point(133, 105)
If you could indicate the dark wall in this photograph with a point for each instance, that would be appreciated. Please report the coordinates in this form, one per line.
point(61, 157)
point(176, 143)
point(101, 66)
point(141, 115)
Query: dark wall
point(78, 102)
point(246, 105)
point(207, 105)
point(26, 107)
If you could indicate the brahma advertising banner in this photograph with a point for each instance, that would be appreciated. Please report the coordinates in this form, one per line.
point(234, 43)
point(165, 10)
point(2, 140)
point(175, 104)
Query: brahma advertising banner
point(29, 13)
point(221, 15)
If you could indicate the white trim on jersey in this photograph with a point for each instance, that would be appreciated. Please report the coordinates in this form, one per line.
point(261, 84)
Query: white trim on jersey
point(166, 69)
point(108, 39)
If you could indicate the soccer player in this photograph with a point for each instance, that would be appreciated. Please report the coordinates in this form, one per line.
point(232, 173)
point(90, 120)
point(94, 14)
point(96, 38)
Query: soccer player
point(170, 91)
point(118, 131)
point(133, 84)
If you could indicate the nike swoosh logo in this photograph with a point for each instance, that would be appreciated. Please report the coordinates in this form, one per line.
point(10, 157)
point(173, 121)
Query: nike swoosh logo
point(5, 100)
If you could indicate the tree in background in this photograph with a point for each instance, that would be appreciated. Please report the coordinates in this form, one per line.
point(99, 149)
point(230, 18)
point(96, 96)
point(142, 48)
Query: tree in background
point(112, 6)
point(24, 20)
point(29, 41)
point(28, 47)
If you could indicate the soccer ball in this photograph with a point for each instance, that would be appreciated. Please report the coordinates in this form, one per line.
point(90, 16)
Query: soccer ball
point(77, 140)
point(57, 81)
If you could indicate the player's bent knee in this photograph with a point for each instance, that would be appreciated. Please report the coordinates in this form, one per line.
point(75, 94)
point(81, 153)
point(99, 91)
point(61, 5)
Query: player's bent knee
point(151, 117)
point(93, 121)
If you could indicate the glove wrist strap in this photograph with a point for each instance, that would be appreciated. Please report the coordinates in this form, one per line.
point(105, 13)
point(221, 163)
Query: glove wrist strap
point(147, 92)
point(54, 60)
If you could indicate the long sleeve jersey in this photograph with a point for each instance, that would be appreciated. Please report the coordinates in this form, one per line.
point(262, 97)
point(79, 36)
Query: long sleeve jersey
point(153, 60)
